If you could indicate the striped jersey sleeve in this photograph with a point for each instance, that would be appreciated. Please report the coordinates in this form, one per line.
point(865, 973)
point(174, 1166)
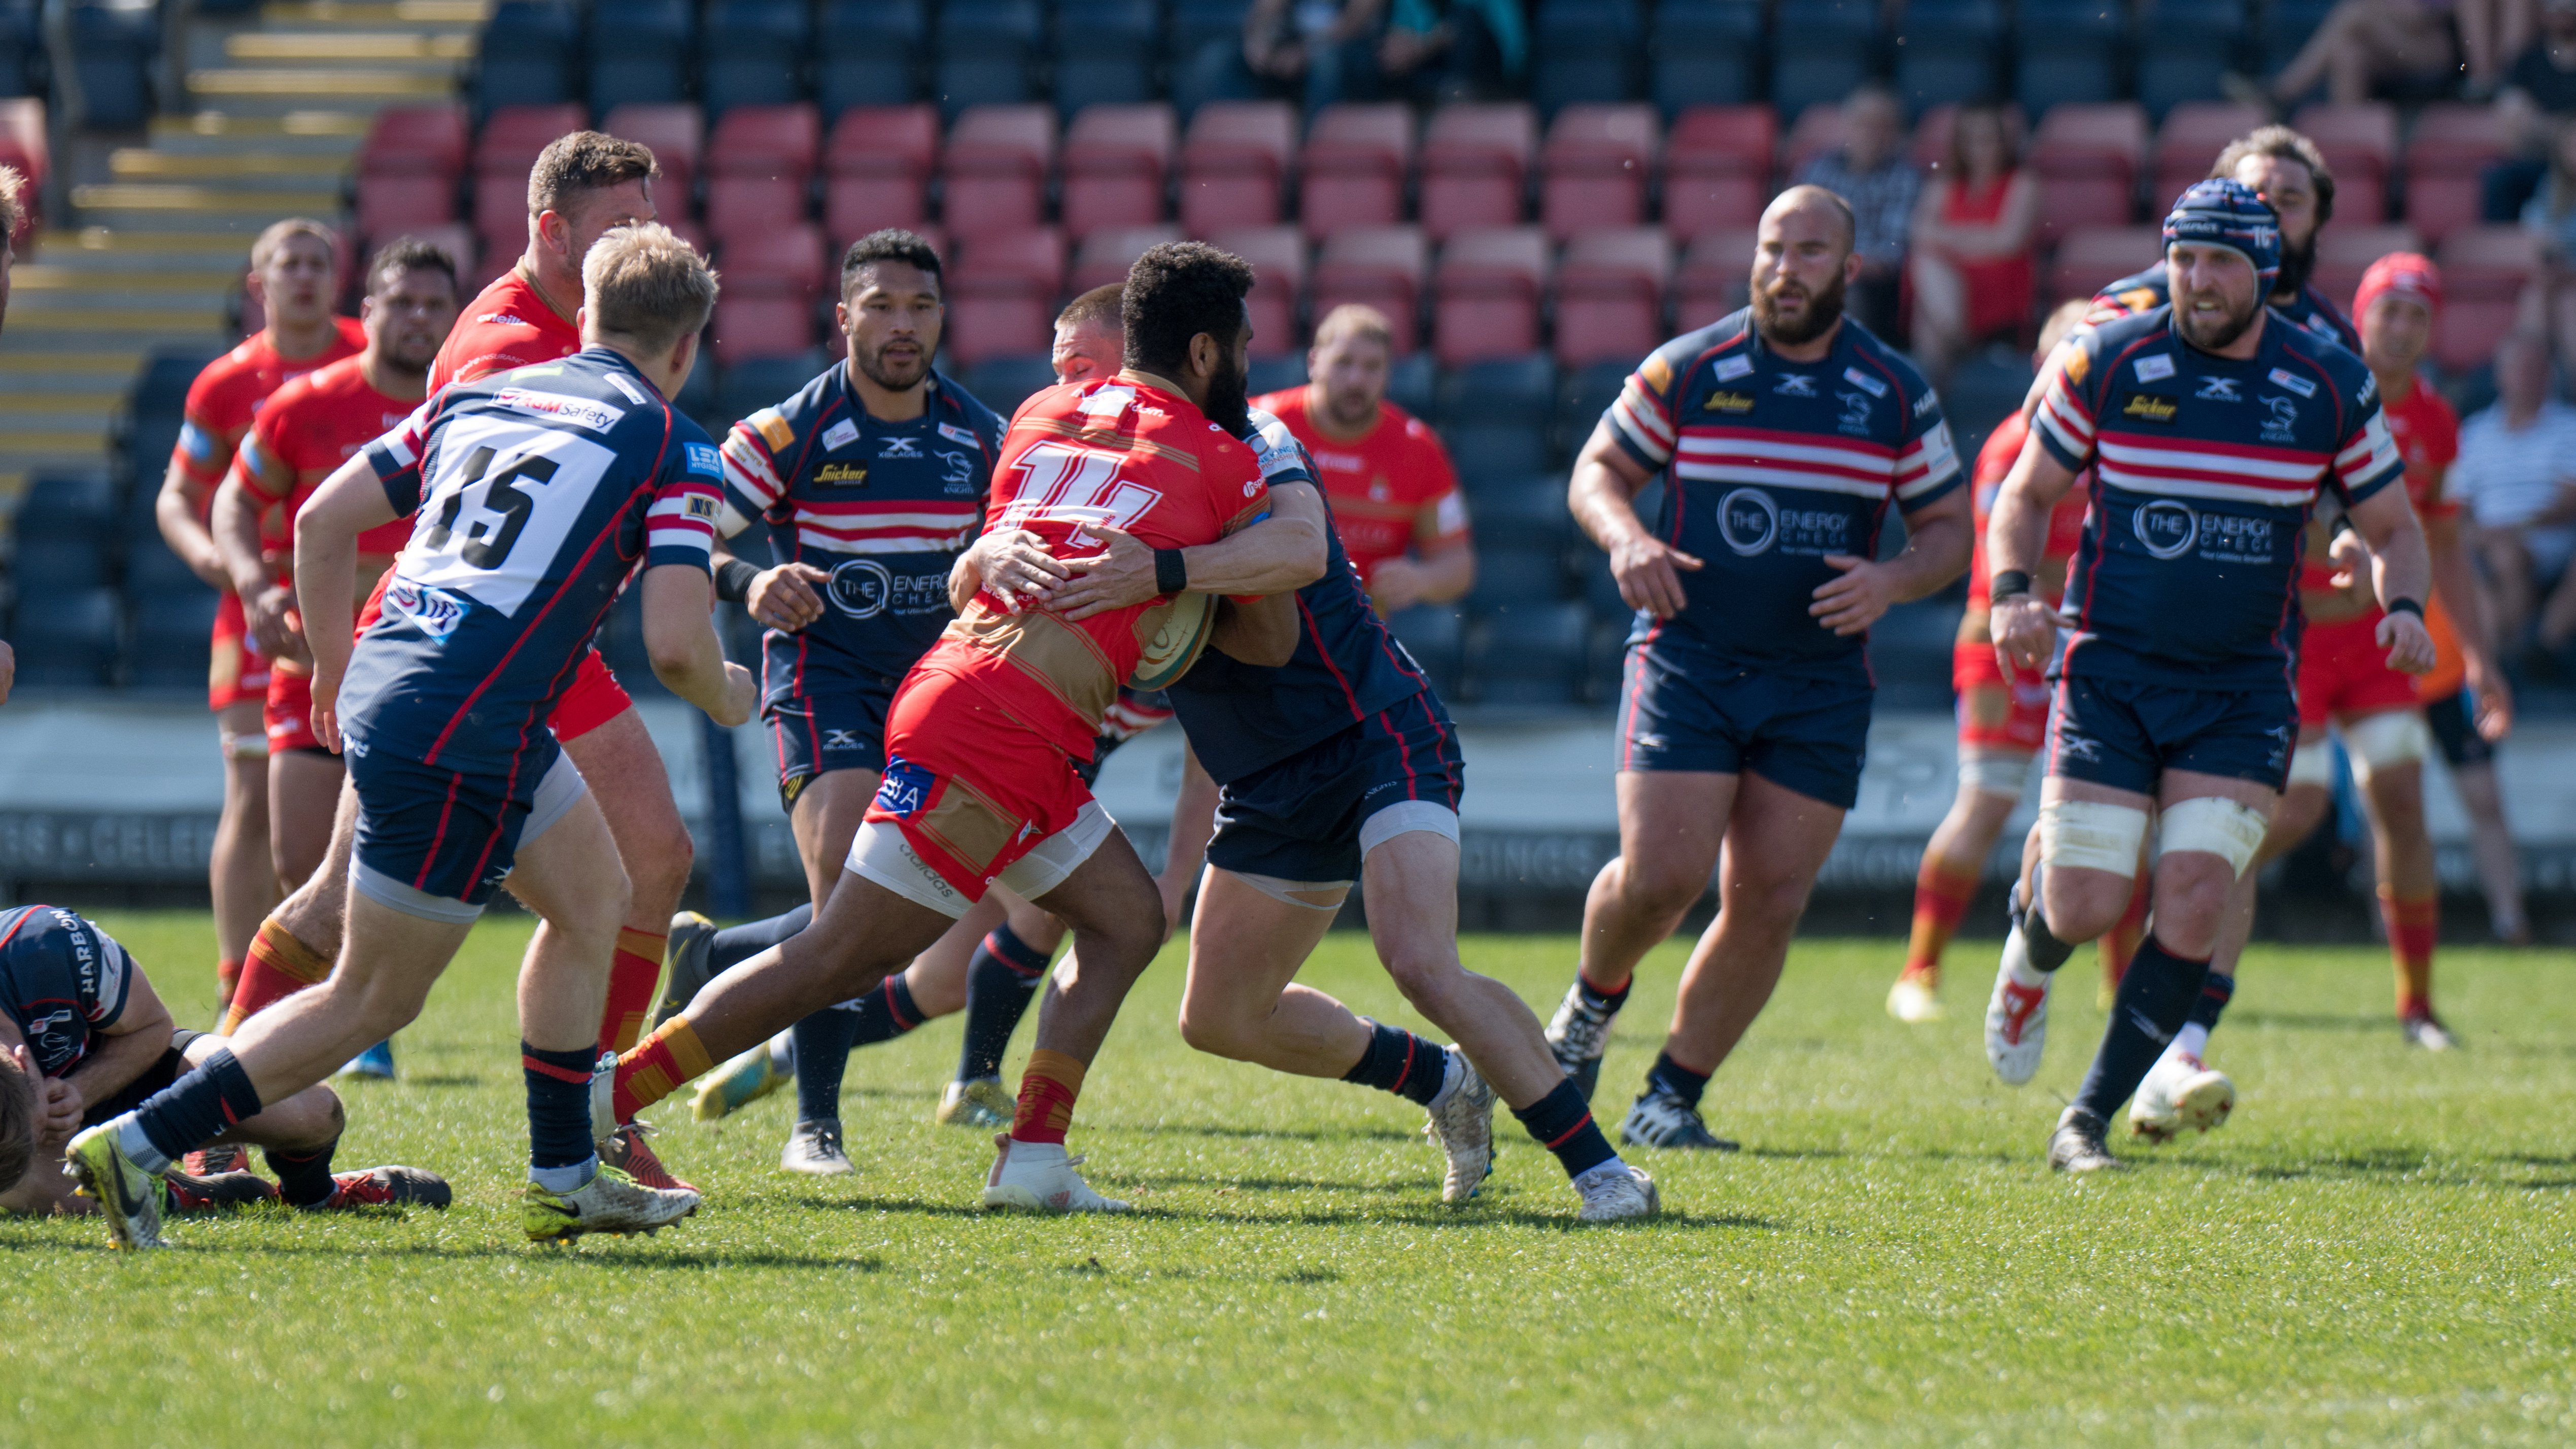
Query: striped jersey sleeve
point(2368, 459)
point(2068, 407)
point(1644, 413)
point(753, 484)
point(680, 525)
point(396, 458)
point(1927, 462)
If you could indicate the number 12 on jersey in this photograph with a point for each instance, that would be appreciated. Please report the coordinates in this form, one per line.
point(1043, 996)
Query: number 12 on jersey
point(1062, 483)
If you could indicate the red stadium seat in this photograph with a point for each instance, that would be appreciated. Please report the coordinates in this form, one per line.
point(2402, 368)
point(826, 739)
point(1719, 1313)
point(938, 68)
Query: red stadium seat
point(786, 262)
point(416, 141)
point(1717, 168)
point(513, 135)
point(2088, 158)
point(2093, 257)
point(741, 205)
point(2465, 335)
point(2487, 263)
point(1355, 163)
point(1234, 164)
point(1278, 257)
point(1819, 130)
point(2345, 252)
point(877, 170)
point(1596, 165)
point(1105, 256)
point(2445, 158)
point(1715, 277)
point(1002, 291)
point(2360, 146)
point(1115, 159)
point(2193, 135)
point(1486, 293)
point(455, 239)
point(1475, 166)
point(388, 205)
point(1382, 266)
point(996, 169)
point(766, 141)
point(501, 212)
point(748, 327)
point(1610, 295)
point(677, 135)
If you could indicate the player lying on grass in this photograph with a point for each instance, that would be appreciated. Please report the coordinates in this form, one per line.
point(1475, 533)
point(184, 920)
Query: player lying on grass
point(540, 492)
point(982, 783)
point(84, 1038)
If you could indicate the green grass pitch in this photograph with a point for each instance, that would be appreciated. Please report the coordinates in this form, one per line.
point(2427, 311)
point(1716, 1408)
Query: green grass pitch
point(2379, 1248)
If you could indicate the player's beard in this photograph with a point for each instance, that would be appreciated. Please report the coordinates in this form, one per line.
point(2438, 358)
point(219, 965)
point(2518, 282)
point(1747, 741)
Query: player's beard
point(1824, 309)
point(1229, 400)
point(2220, 334)
point(2297, 265)
point(893, 378)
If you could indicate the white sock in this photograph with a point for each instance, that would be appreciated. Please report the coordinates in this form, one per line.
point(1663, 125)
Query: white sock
point(2191, 1041)
point(565, 1179)
point(782, 1052)
point(138, 1147)
point(1451, 1074)
point(1601, 1169)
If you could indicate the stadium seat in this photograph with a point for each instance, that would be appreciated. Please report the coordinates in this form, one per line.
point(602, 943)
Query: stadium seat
point(1704, 52)
point(996, 169)
point(1493, 414)
point(2484, 269)
point(1717, 168)
point(171, 641)
point(63, 512)
point(1278, 257)
point(513, 135)
point(1002, 291)
point(2088, 159)
point(526, 54)
point(416, 141)
point(749, 325)
point(1475, 166)
point(151, 569)
point(1412, 383)
point(1909, 654)
point(1521, 512)
point(640, 51)
point(2188, 143)
point(2359, 143)
point(746, 387)
point(678, 138)
point(1595, 168)
point(1818, 130)
point(868, 53)
point(1985, 386)
point(1485, 293)
point(877, 167)
point(1714, 279)
point(112, 55)
point(766, 141)
point(1355, 164)
point(2446, 156)
point(753, 51)
point(1003, 383)
point(1515, 579)
point(1275, 373)
point(1106, 255)
point(1104, 54)
point(2284, 27)
point(697, 395)
point(986, 50)
point(1115, 160)
point(388, 205)
point(1532, 654)
point(1947, 52)
point(1586, 393)
point(1822, 52)
point(1234, 164)
point(2066, 51)
point(1383, 266)
point(22, 39)
point(1436, 636)
point(1205, 46)
point(67, 639)
point(501, 213)
point(455, 238)
point(1583, 52)
point(744, 205)
point(787, 261)
point(1610, 295)
point(2093, 257)
point(59, 568)
point(2183, 49)
point(2345, 252)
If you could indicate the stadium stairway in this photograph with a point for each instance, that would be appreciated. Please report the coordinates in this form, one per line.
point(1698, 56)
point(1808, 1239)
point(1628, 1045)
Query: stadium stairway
point(153, 254)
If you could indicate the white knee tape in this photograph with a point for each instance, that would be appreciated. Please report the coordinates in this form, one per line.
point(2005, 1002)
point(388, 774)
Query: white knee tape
point(2312, 763)
point(248, 745)
point(2092, 835)
point(2385, 741)
point(1994, 771)
point(2222, 827)
point(1287, 891)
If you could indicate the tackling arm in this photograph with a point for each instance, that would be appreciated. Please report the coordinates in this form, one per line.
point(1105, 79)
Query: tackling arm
point(1281, 554)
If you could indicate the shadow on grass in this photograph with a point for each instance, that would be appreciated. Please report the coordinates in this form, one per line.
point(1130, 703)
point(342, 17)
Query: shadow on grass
point(2315, 1021)
point(1790, 1154)
point(439, 1079)
point(1283, 1134)
point(460, 1252)
point(1280, 1184)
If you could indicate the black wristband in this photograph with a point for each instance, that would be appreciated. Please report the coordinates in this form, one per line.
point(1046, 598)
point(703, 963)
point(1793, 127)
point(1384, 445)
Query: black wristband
point(2406, 606)
point(733, 580)
point(2008, 584)
point(1171, 571)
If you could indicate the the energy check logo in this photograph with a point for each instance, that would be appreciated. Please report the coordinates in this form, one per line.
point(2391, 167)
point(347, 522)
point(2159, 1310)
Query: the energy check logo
point(905, 789)
point(2165, 528)
point(1748, 520)
point(864, 588)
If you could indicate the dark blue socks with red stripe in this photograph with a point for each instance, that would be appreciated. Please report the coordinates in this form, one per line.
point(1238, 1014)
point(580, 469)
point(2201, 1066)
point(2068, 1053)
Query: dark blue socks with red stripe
point(825, 1039)
point(1001, 980)
point(1562, 1123)
point(1676, 1081)
point(189, 1111)
point(1400, 1062)
point(2156, 997)
point(560, 1153)
point(303, 1180)
point(734, 945)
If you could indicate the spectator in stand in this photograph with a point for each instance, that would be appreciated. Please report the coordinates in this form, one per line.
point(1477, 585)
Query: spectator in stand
point(1319, 51)
point(2517, 477)
point(1971, 265)
point(1455, 50)
point(2538, 92)
point(2368, 43)
point(1872, 176)
point(12, 188)
point(2549, 303)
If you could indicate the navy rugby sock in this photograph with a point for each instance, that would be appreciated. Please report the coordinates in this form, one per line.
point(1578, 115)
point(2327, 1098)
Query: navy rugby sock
point(1562, 1123)
point(1397, 1061)
point(2216, 990)
point(1001, 980)
point(216, 1095)
point(560, 1155)
point(2155, 998)
point(2040, 944)
point(1605, 1002)
point(304, 1181)
point(737, 944)
point(1675, 1080)
point(825, 1039)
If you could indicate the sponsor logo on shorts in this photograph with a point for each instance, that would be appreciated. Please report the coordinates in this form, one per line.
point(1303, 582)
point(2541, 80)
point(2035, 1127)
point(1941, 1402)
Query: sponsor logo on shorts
point(596, 416)
point(2146, 407)
point(1722, 401)
point(850, 473)
point(843, 740)
point(905, 789)
point(2078, 747)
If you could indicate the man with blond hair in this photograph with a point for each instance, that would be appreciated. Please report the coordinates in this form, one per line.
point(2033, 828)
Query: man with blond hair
point(543, 491)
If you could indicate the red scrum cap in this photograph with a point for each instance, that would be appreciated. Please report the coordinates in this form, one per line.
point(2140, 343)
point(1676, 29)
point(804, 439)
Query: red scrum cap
point(2408, 275)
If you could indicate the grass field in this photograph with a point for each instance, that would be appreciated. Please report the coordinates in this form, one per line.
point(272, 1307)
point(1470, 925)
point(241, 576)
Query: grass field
point(2380, 1248)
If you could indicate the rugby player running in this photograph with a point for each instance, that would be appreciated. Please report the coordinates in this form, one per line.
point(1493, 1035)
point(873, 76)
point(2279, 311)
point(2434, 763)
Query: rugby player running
point(2212, 427)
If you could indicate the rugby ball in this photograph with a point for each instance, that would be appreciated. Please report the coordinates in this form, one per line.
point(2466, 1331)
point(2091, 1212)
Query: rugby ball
point(1185, 624)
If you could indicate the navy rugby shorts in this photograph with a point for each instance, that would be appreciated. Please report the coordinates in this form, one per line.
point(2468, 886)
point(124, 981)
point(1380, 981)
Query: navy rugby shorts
point(2456, 732)
point(1305, 818)
point(2125, 734)
point(436, 843)
point(833, 724)
point(1807, 732)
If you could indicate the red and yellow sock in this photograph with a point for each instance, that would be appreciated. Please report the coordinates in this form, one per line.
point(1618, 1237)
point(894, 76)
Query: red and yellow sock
point(632, 974)
point(668, 1058)
point(279, 966)
point(2413, 924)
point(2120, 946)
point(1048, 1088)
point(228, 973)
point(1941, 895)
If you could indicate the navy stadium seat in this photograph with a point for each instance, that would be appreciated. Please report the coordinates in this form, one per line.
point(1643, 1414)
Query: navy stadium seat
point(2286, 26)
point(2183, 48)
point(1494, 415)
point(1515, 578)
point(1003, 383)
point(64, 508)
point(1586, 394)
point(56, 568)
point(1436, 636)
point(21, 41)
point(68, 639)
point(526, 59)
point(1583, 51)
point(753, 51)
point(639, 52)
point(1600, 586)
point(1104, 53)
point(112, 55)
point(1277, 373)
point(748, 386)
point(152, 571)
point(697, 396)
point(1206, 50)
point(868, 54)
point(1909, 654)
point(986, 49)
point(2066, 50)
point(1409, 384)
point(1704, 52)
point(1820, 52)
point(1533, 654)
point(171, 632)
point(1981, 390)
point(1946, 52)
point(1521, 513)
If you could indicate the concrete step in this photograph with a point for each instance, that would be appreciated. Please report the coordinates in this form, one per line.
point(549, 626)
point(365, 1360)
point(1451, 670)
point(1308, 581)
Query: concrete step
point(406, 13)
point(299, 133)
point(44, 280)
point(241, 167)
point(276, 89)
point(100, 249)
point(342, 46)
point(196, 208)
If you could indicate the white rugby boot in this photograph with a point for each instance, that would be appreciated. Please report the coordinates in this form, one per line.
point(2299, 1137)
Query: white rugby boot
point(1577, 1035)
point(1462, 1122)
point(1911, 1000)
point(2017, 1014)
point(1615, 1191)
point(1039, 1177)
point(2180, 1094)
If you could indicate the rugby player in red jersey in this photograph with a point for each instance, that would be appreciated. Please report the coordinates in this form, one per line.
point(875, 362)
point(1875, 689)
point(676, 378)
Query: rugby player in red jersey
point(294, 274)
point(1396, 504)
point(985, 738)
